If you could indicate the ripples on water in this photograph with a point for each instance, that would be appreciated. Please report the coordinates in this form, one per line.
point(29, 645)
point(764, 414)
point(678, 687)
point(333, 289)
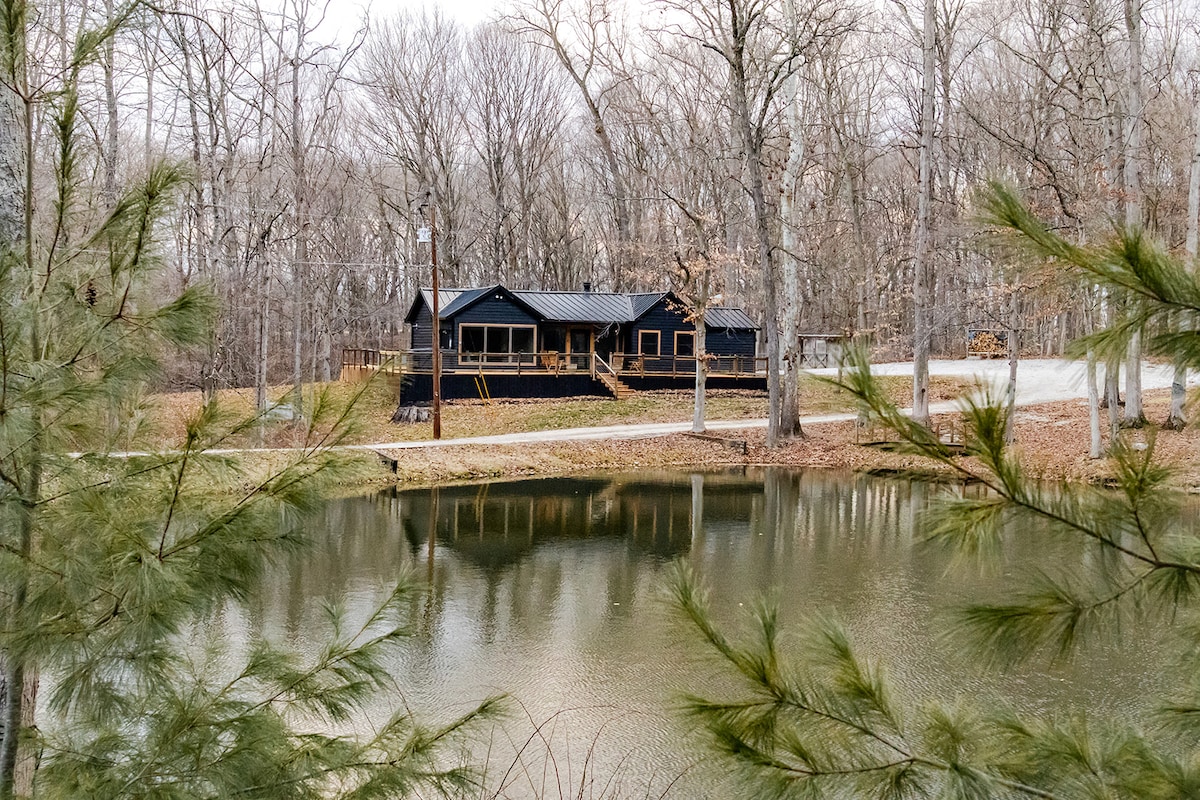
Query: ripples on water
point(550, 591)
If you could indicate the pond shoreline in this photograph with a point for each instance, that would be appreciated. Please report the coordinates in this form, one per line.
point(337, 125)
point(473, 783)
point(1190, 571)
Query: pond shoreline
point(1052, 440)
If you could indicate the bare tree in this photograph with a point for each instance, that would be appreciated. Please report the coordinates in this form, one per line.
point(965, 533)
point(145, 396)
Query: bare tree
point(1176, 418)
point(15, 215)
point(518, 112)
point(696, 281)
point(585, 40)
point(792, 209)
point(1134, 121)
point(14, 150)
point(923, 245)
point(760, 49)
point(413, 81)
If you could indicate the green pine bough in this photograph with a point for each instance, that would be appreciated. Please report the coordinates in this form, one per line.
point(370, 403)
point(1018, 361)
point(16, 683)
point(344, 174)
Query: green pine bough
point(829, 723)
point(112, 566)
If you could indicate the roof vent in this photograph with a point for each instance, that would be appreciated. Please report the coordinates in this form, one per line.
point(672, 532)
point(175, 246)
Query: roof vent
point(587, 286)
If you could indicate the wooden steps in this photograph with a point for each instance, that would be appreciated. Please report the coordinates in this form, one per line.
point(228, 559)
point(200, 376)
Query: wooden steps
point(619, 390)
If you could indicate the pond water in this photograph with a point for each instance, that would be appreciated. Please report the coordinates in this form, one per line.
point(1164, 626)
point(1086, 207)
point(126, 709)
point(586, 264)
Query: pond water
point(551, 591)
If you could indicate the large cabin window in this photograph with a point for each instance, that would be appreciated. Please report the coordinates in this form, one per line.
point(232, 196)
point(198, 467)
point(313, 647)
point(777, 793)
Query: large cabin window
point(496, 343)
point(471, 339)
point(648, 343)
point(522, 340)
point(499, 340)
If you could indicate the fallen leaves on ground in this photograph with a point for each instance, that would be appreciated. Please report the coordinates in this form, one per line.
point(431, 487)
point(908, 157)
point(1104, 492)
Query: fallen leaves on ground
point(1052, 441)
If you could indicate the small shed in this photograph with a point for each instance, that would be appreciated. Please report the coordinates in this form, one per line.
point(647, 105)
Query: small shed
point(821, 349)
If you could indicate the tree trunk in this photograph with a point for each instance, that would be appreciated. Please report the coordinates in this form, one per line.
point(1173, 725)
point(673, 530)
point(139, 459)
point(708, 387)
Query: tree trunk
point(198, 212)
point(789, 213)
point(1177, 419)
point(1014, 353)
point(300, 248)
point(766, 261)
point(264, 332)
point(1112, 398)
point(151, 69)
point(700, 350)
point(28, 754)
point(111, 140)
point(1097, 448)
point(16, 221)
point(752, 156)
point(922, 330)
point(12, 170)
point(1134, 416)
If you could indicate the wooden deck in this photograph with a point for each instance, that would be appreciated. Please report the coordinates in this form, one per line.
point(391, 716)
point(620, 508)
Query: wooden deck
point(359, 364)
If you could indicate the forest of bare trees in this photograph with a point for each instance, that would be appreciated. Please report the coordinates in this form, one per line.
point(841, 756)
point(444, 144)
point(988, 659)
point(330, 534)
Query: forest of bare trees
point(817, 158)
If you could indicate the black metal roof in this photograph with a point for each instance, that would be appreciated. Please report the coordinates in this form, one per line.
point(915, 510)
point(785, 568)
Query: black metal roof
point(453, 300)
point(725, 317)
point(602, 308)
point(641, 303)
point(596, 307)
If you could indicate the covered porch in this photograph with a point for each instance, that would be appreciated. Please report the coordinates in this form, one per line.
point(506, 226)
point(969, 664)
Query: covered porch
point(545, 373)
point(363, 362)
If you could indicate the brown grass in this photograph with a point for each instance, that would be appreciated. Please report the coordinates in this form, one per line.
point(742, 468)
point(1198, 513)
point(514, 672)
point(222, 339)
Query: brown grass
point(1052, 441)
point(374, 405)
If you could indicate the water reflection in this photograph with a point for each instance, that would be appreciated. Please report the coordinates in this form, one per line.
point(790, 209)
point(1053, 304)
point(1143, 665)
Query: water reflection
point(550, 590)
point(497, 525)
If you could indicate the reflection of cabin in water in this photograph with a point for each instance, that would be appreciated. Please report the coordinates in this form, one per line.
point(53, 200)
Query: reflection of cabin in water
point(494, 525)
point(509, 343)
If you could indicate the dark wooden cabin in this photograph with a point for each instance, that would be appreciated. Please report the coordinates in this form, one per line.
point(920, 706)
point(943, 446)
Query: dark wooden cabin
point(510, 343)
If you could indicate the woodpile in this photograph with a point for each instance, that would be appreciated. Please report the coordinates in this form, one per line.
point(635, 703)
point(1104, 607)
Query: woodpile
point(987, 344)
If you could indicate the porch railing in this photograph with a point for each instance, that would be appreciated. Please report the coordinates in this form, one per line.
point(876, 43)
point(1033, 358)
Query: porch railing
point(727, 366)
point(421, 362)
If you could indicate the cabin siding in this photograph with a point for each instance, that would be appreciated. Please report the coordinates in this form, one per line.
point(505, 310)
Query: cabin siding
point(728, 342)
point(664, 320)
point(418, 389)
point(494, 311)
point(718, 341)
point(421, 337)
